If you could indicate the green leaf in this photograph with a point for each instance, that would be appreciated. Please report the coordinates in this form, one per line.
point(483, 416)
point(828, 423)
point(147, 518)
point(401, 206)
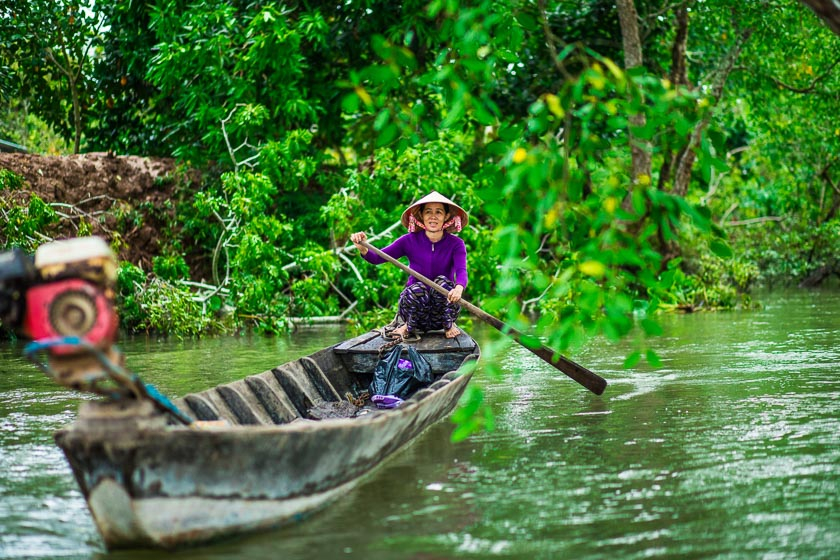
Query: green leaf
point(382, 119)
point(651, 327)
point(388, 135)
point(350, 103)
point(527, 21)
point(720, 248)
point(481, 114)
point(530, 342)
point(567, 50)
point(631, 360)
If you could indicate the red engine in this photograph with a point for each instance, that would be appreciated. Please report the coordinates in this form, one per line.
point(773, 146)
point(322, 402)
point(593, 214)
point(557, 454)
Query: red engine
point(71, 307)
point(66, 291)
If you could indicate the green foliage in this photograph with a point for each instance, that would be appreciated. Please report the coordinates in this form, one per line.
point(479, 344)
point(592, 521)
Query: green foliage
point(130, 282)
point(24, 226)
point(156, 305)
point(171, 309)
point(170, 267)
point(707, 283)
point(318, 120)
point(46, 45)
point(11, 181)
point(472, 416)
point(21, 126)
point(791, 252)
point(231, 55)
point(568, 234)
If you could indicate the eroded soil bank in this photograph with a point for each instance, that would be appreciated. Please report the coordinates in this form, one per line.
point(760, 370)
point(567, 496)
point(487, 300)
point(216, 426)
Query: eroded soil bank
point(127, 196)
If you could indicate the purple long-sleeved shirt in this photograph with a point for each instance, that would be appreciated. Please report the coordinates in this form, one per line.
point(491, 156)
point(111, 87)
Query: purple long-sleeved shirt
point(447, 256)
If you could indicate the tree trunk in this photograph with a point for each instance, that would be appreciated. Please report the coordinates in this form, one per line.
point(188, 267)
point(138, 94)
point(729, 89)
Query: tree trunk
point(77, 116)
point(828, 11)
point(818, 276)
point(628, 18)
point(825, 175)
point(679, 77)
point(687, 158)
point(679, 71)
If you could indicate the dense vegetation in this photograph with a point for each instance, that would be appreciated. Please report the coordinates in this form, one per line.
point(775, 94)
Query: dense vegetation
point(617, 158)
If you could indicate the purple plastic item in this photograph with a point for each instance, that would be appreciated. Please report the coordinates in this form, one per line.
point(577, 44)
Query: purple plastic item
point(386, 401)
point(404, 364)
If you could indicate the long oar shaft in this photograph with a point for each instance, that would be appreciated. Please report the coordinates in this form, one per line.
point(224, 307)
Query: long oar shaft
point(588, 379)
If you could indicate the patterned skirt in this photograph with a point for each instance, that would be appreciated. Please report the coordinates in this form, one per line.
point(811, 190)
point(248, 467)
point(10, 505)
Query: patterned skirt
point(424, 309)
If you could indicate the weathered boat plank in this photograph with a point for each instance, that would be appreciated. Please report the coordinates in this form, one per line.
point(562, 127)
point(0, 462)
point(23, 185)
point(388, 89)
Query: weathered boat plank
point(277, 408)
point(351, 344)
point(319, 380)
point(199, 408)
point(244, 413)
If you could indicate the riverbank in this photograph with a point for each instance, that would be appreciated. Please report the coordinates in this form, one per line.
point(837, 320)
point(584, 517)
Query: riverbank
point(128, 200)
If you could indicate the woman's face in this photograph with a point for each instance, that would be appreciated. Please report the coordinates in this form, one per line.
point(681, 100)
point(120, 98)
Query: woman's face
point(434, 216)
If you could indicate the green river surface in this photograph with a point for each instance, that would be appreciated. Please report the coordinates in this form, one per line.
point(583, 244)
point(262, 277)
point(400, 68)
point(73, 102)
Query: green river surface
point(730, 450)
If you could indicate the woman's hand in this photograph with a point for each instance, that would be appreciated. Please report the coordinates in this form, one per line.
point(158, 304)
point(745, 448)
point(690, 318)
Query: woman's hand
point(358, 238)
point(455, 294)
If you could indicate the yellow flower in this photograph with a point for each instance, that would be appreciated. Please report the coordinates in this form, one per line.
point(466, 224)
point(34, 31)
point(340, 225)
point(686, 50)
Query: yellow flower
point(519, 155)
point(595, 269)
point(551, 218)
point(553, 103)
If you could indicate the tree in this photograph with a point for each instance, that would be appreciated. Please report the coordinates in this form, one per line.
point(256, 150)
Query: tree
point(48, 43)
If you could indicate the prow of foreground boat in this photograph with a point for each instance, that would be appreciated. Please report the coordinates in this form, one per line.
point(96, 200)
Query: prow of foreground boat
point(259, 459)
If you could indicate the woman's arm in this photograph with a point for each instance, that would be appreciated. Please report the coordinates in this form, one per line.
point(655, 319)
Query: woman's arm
point(459, 262)
point(395, 249)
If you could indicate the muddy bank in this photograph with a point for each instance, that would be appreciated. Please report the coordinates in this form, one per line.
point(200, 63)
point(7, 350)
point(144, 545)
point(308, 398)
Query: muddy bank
point(127, 198)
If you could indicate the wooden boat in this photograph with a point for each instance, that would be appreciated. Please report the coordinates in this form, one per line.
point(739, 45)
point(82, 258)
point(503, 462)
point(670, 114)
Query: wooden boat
point(258, 460)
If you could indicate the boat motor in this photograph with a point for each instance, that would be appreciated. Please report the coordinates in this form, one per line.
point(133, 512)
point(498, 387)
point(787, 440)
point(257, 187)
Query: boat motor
point(75, 294)
point(64, 300)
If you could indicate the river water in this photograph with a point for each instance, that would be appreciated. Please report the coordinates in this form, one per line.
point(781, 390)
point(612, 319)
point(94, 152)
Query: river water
point(730, 450)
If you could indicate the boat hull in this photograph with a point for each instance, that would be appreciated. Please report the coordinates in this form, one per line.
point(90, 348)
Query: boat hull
point(150, 483)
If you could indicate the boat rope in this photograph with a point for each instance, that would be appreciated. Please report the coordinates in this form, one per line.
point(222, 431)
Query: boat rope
point(359, 400)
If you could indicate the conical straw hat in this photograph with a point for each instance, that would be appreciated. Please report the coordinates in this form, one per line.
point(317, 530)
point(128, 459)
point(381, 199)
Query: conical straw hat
point(434, 196)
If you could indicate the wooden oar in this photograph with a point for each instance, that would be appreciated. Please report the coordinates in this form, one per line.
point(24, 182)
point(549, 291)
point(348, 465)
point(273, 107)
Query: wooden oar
point(588, 379)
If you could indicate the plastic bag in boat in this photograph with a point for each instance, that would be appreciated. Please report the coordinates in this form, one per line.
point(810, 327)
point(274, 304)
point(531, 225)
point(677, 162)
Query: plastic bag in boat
point(401, 377)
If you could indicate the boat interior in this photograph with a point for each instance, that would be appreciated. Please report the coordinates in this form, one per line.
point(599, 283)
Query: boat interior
point(331, 383)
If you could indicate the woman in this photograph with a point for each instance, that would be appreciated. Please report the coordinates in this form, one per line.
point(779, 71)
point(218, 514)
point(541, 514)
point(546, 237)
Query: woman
point(434, 252)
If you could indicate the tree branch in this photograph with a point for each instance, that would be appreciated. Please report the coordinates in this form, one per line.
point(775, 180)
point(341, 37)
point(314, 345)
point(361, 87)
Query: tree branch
point(551, 40)
point(688, 157)
point(753, 221)
point(810, 88)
